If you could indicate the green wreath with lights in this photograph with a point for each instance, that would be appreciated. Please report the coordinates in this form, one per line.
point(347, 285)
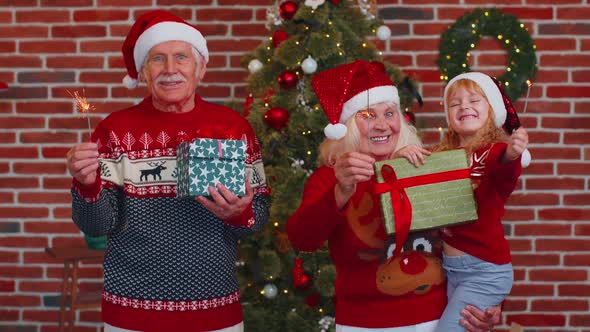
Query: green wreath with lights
point(460, 38)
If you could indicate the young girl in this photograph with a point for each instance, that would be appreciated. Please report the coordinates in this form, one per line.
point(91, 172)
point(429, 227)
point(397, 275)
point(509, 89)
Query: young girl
point(476, 256)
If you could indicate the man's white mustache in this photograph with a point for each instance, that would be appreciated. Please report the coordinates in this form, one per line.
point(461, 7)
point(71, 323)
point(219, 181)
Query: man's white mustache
point(170, 78)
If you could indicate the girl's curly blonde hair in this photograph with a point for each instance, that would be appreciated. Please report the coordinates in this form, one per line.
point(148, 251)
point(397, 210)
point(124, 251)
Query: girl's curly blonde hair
point(489, 133)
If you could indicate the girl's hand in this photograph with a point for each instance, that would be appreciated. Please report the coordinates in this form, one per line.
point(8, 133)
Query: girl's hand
point(350, 169)
point(414, 154)
point(475, 320)
point(517, 144)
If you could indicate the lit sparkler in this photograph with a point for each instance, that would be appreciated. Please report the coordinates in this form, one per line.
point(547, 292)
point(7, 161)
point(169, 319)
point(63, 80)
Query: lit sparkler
point(83, 107)
point(528, 91)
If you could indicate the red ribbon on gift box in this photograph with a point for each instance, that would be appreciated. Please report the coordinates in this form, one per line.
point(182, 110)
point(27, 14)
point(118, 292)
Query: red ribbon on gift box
point(402, 207)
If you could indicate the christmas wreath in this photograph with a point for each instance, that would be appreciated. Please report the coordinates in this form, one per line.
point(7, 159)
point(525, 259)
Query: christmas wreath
point(461, 37)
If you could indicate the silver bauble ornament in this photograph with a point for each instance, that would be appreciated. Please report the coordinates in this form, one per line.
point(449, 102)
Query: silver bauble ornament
point(254, 65)
point(270, 291)
point(309, 65)
point(383, 32)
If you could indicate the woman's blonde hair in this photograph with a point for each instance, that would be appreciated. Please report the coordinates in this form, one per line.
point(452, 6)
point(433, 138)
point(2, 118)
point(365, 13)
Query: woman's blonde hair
point(489, 133)
point(330, 150)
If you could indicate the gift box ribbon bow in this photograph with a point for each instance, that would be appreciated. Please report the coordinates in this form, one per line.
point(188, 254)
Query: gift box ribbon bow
point(402, 207)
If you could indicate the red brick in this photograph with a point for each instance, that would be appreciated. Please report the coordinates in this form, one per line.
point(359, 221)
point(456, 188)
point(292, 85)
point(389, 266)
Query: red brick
point(9, 257)
point(100, 15)
point(48, 137)
point(16, 182)
point(101, 77)
point(556, 153)
point(5, 17)
point(578, 91)
point(573, 169)
point(99, 46)
point(66, 3)
point(72, 123)
point(40, 286)
point(21, 272)
point(9, 315)
point(7, 137)
point(79, 31)
point(23, 212)
point(4, 167)
point(582, 107)
point(116, 62)
point(520, 245)
point(580, 320)
point(529, 12)
point(44, 198)
point(573, 60)
point(55, 152)
point(46, 16)
point(225, 15)
point(243, 30)
point(213, 29)
point(539, 229)
point(564, 29)
point(534, 199)
point(15, 92)
point(62, 212)
point(41, 315)
point(44, 107)
point(560, 245)
point(18, 152)
point(557, 43)
point(47, 46)
point(24, 32)
point(124, 3)
point(57, 183)
point(574, 290)
point(519, 214)
point(577, 199)
point(530, 290)
point(20, 300)
point(75, 62)
point(576, 260)
point(118, 30)
point(536, 319)
point(7, 286)
point(558, 183)
point(13, 61)
point(7, 46)
point(24, 242)
point(91, 92)
point(84, 272)
point(36, 168)
point(51, 227)
point(534, 260)
point(557, 275)
point(237, 45)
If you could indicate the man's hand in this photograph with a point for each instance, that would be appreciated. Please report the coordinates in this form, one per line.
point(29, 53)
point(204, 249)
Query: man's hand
point(414, 154)
point(475, 320)
point(82, 162)
point(517, 144)
point(225, 204)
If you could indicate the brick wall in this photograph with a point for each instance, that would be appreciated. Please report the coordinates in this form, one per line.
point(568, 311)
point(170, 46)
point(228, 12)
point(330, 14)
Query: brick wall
point(48, 47)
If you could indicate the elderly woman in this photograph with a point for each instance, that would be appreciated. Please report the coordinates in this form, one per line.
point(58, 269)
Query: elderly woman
point(374, 291)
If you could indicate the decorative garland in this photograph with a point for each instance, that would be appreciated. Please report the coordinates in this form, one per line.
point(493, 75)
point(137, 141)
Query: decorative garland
point(460, 38)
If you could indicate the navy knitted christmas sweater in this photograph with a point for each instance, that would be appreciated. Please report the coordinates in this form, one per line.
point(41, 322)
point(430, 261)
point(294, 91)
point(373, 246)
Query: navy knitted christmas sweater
point(169, 263)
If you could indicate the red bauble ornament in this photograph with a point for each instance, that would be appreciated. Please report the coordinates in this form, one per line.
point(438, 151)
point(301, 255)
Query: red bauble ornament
point(269, 94)
point(336, 2)
point(410, 118)
point(276, 117)
point(288, 79)
point(300, 279)
point(278, 37)
point(288, 9)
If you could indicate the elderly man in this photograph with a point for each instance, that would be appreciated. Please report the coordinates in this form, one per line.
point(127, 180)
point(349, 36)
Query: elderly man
point(169, 263)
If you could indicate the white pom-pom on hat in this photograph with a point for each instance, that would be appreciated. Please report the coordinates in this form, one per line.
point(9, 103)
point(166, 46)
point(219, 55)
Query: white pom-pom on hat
point(130, 83)
point(335, 131)
point(525, 158)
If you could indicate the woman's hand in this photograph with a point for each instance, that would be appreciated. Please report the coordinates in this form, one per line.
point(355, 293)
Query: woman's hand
point(517, 144)
point(414, 154)
point(351, 168)
point(475, 320)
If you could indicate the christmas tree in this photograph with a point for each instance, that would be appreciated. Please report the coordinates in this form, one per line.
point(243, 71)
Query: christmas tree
point(285, 290)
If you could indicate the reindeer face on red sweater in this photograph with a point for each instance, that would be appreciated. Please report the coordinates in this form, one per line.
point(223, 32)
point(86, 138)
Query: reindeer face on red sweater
point(417, 269)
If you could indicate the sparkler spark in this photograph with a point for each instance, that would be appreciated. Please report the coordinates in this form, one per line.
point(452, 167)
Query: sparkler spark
point(83, 106)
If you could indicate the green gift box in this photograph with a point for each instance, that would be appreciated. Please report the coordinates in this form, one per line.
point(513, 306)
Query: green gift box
point(433, 195)
point(204, 162)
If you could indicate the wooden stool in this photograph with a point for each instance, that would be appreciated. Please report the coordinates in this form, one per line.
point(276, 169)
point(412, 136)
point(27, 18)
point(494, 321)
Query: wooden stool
point(69, 287)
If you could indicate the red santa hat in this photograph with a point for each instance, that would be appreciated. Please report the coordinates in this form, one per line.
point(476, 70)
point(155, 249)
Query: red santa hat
point(504, 111)
point(346, 89)
point(151, 29)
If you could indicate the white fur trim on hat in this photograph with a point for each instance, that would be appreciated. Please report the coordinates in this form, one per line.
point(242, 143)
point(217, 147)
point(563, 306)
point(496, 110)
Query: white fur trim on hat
point(489, 88)
point(335, 131)
point(130, 83)
point(379, 94)
point(168, 31)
